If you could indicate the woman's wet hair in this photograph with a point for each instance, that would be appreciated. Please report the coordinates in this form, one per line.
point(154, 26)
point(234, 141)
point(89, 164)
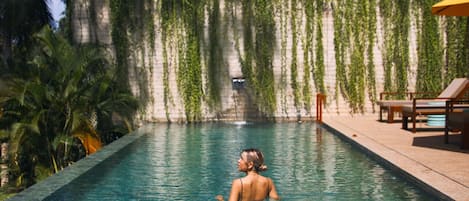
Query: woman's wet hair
point(256, 157)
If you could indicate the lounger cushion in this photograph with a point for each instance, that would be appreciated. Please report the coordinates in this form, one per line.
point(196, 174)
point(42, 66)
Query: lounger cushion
point(424, 108)
point(386, 103)
point(429, 109)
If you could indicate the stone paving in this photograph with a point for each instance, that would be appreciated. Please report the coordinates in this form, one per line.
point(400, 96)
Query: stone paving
point(442, 169)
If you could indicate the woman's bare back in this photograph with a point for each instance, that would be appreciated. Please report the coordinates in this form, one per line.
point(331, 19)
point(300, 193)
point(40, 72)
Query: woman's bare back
point(256, 188)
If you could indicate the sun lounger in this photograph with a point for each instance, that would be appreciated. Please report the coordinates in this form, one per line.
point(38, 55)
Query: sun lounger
point(423, 109)
point(453, 91)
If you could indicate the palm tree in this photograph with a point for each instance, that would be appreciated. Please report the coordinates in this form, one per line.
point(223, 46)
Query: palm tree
point(50, 104)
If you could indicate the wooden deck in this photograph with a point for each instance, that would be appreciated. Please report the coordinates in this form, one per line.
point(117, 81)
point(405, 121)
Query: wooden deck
point(423, 156)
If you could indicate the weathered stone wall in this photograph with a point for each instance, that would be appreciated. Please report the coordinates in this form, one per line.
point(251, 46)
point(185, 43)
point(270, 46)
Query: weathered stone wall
point(146, 71)
point(85, 28)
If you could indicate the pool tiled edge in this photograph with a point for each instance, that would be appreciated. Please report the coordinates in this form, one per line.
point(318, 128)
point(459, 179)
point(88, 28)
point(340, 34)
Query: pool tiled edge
point(44, 188)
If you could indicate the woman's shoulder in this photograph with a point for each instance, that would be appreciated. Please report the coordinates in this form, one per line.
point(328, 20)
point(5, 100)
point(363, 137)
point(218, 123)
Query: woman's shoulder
point(236, 181)
point(266, 178)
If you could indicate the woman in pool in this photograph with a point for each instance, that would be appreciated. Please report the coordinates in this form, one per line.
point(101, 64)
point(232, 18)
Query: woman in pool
point(253, 186)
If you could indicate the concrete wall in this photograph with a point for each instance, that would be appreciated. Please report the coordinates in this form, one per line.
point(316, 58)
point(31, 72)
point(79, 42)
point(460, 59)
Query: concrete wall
point(146, 71)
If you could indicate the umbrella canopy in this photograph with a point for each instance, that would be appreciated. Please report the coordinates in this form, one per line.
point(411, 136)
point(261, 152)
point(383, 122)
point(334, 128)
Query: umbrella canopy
point(451, 8)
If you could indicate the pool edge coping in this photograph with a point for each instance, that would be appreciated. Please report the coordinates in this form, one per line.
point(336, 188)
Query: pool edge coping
point(388, 164)
point(51, 184)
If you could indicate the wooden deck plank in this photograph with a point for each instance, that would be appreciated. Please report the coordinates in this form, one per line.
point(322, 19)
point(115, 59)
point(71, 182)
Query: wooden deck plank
point(423, 155)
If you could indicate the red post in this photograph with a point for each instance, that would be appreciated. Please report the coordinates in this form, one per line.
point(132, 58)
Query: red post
point(320, 98)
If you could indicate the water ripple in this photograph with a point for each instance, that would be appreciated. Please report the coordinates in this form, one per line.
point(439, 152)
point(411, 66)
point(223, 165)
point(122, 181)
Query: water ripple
point(197, 162)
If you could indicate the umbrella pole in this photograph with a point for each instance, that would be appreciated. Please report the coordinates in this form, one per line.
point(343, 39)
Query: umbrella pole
point(467, 46)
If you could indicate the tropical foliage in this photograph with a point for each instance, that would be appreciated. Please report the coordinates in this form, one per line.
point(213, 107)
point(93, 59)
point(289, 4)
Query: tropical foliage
point(63, 94)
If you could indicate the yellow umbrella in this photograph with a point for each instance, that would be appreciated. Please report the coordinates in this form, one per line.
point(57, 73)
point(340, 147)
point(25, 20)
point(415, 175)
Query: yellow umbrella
point(451, 8)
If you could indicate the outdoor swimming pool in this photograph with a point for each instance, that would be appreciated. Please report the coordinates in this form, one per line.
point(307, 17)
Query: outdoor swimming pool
point(198, 162)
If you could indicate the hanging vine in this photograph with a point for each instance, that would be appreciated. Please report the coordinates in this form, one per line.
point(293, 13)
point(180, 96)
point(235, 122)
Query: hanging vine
point(371, 36)
point(215, 57)
point(189, 78)
point(294, 52)
point(119, 14)
point(308, 53)
point(456, 48)
point(265, 43)
point(429, 72)
point(349, 71)
point(247, 60)
point(401, 50)
point(356, 87)
point(170, 23)
point(354, 33)
point(150, 24)
point(319, 68)
point(396, 23)
point(341, 38)
point(184, 21)
point(386, 11)
point(189, 74)
point(259, 43)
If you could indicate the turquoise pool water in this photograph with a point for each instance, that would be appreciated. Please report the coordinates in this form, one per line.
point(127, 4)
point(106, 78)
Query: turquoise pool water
point(197, 162)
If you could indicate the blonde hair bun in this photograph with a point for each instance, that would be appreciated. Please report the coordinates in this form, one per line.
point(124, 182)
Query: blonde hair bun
point(262, 168)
